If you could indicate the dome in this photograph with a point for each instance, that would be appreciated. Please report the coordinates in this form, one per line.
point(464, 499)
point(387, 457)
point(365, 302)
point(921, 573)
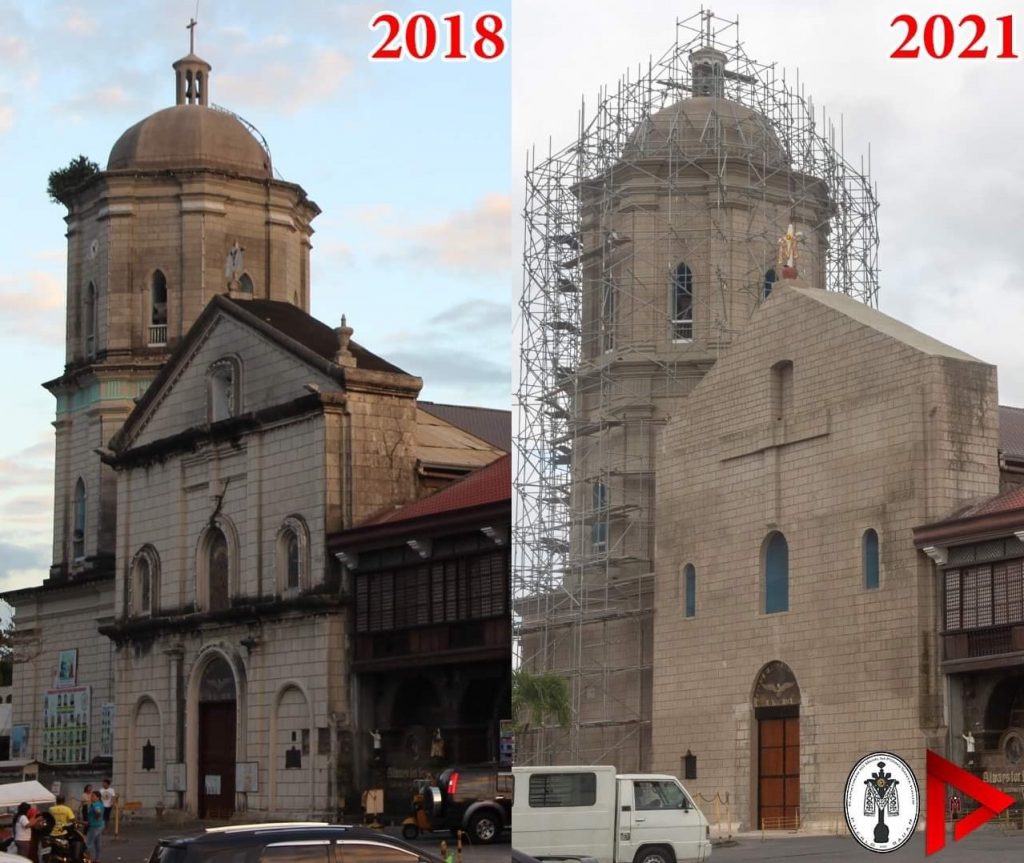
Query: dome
point(190, 136)
point(703, 126)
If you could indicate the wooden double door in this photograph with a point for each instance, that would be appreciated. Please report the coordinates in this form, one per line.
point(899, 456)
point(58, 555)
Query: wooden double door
point(216, 759)
point(778, 770)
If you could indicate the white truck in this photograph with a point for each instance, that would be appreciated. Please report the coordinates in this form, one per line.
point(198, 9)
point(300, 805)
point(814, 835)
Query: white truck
point(615, 818)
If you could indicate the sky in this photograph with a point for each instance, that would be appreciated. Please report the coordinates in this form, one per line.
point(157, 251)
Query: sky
point(418, 170)
point(946, 137)
point(408, 161)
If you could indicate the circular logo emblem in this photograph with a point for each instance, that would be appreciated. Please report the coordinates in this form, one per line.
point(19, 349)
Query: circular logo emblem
point(882, 802)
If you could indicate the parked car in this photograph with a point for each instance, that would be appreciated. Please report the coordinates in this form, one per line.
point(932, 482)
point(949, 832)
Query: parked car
point(475, 799)
point(292, 842)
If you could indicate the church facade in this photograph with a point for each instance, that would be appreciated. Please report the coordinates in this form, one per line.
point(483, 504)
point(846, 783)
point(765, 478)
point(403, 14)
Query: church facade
point(194, 637)
point(753, 462)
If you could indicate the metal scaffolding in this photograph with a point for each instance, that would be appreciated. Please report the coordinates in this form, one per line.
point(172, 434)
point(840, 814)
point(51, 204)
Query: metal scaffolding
point(586, 439)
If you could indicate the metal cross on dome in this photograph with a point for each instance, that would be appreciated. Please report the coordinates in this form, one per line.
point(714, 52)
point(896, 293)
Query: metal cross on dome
point(191, 27)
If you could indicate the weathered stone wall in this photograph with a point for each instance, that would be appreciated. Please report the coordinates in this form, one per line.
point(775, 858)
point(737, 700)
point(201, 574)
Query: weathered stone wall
point(883, 429)
point(62, 618)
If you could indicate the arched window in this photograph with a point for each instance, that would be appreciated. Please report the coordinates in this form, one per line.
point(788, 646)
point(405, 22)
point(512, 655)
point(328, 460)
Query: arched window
point(607, 314)
point(158, 309)
point(690, 590)
point(78, 522)
point(682, 304)
point(292, 560)
point(293, 556)
point(89, 315)
point(769, 282)
point(218, 570)
point(224, 389)
point(245, 283)
point(869, 544)
point(143, 588)
point(776, 574)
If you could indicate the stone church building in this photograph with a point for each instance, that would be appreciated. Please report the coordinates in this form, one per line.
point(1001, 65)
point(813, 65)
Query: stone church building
point(194, 637)
point(749, 457)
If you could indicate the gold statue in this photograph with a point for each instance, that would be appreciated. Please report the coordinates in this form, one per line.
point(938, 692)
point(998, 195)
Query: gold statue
point(788, 252)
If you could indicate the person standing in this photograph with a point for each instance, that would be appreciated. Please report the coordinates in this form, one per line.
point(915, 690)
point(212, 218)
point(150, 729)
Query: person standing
point(95, 824)
point(23, 831)
point(83, 809)
point(108, 796)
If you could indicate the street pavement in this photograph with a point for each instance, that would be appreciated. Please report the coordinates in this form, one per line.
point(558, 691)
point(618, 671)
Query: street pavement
point(989, 844)
point(138, 836)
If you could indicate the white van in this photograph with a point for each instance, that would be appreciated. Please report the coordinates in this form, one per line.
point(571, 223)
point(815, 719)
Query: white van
point(594, 812)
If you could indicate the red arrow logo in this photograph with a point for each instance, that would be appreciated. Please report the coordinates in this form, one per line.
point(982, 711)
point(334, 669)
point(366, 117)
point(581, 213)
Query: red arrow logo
point(942, 773)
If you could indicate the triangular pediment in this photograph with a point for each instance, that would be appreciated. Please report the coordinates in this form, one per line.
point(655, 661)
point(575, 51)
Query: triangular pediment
point(269, 370)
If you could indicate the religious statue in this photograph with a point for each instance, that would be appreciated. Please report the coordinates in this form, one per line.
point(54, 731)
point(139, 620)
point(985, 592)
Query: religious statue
point(788, 253)
point(234, 265)
point(437, 745)
point(378, 747)
point(969, 738)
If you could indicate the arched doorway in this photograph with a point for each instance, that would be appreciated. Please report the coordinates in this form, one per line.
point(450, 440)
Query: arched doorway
point(217, 721)
point(776, 701)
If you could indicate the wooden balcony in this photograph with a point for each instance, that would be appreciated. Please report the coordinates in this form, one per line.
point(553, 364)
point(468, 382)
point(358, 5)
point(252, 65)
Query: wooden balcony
point(990, 641)
point(466, 640)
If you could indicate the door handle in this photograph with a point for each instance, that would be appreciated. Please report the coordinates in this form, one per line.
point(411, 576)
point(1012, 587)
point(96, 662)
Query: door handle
point(639, 820)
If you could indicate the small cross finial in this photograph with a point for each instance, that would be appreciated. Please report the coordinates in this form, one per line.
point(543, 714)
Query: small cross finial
point(191, 27)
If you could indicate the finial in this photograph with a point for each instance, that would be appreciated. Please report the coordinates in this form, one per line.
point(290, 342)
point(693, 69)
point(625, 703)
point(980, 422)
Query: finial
point(344, 356)
point(191, 73)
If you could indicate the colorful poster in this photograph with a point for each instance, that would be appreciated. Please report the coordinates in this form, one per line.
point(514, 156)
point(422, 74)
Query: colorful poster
point(107, 731)
point(66, 726)
point(19, 741)
point(67, 669)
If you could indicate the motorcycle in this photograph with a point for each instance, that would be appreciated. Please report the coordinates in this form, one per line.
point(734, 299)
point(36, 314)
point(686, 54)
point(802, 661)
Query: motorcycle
point(420, 820)
point(68, 847)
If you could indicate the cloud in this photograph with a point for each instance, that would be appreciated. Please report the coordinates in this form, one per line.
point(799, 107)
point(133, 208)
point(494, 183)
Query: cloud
point(77, 23)
point(14, 470)
point(459, 370)
point(473, 242)
point(463, 354)
point(340, 254)
point(22, 566)
point(112, 99)
point(33, 303)
point(6, 118)
point(28, 507)
point(13, 50)
point(290, 83)
point(51, 255)
point(476, 315)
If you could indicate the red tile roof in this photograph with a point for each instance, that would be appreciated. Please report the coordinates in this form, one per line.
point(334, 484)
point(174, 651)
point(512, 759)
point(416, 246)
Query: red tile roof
point(1006, 501)
point(486, 485)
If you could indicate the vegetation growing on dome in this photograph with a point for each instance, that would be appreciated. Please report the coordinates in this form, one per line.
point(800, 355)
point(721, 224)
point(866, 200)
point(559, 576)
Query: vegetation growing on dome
point(64, 181)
